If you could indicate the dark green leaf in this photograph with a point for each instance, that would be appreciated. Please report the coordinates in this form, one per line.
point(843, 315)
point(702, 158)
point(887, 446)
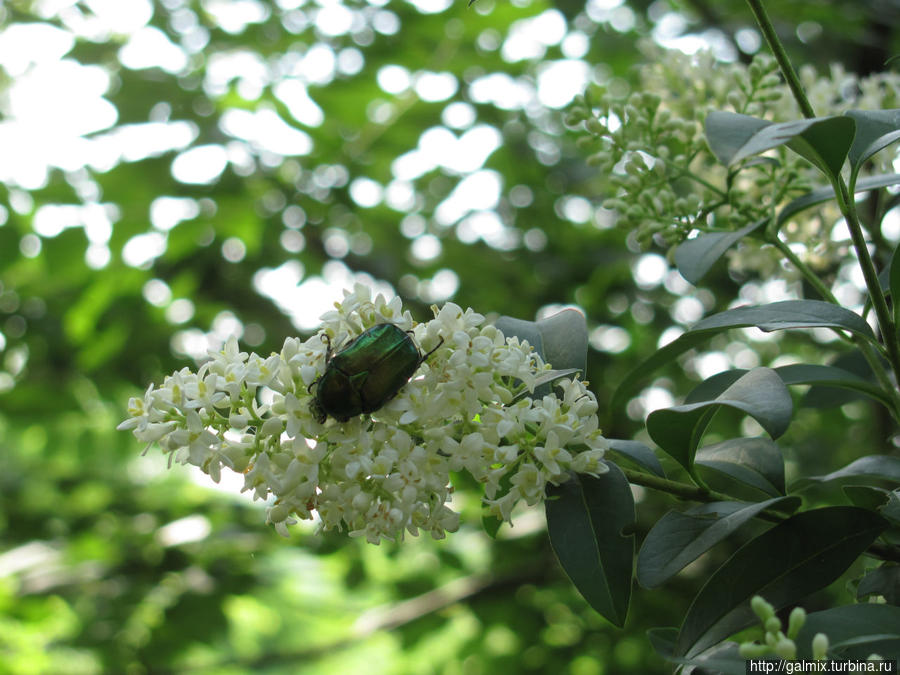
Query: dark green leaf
point(695, 257)
point(728, 134)
point(680, 538)
point(561, 340)
point(895, 284)
point(756, 462)
point(714, 385)
point(788, 314)
point(760, 393)
point(784, 564)
point(876, 466)
point(801, 373)
point(828, 397)
point(824, 193)
point(854, 631)
point(586, 518)
point(875, 130)
point(819, 375)
point(891, 510)
point(824, 141)
point(721, 659)
point(775, 316)
point(663, 640)
point(638, 453)
point(884, 581)
point(866, 496)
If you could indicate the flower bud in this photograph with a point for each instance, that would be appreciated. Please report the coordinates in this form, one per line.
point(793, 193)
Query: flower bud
point(820, 646)
point(796, 621)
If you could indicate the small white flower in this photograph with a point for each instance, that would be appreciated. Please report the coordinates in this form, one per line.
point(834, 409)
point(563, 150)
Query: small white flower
point(381, 475)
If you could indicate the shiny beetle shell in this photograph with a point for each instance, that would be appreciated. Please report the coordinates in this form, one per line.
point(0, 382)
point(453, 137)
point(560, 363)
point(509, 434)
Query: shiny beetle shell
point(366, 374)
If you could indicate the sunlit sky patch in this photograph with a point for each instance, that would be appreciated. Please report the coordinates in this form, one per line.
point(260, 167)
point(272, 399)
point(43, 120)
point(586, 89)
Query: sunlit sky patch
point(150, 48)
point(38, 132)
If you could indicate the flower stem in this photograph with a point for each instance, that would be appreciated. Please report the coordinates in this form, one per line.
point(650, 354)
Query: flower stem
point(885, 322)
point(694, 493)
point(790, 76)
point(687, 491)
point(845, 200)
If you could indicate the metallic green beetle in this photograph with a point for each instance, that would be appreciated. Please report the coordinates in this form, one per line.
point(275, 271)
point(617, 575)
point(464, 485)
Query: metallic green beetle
point(366, 374)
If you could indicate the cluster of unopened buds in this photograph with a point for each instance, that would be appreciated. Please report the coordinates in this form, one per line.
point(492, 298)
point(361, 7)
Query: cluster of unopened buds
point(780, 644)
point(367, 453)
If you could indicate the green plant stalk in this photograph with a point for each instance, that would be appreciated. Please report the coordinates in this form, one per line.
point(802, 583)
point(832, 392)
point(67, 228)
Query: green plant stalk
point(784, 63)
point(693, 493)
point(811, 277)
point(885, 321)
point(845, 202)
point(688, 492)
point(868, 352)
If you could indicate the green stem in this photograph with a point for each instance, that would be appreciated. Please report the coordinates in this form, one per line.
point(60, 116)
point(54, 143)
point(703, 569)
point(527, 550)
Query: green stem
point(870, 354)
point(846, 203)
point(694, 493)
point(885, 321)
point(687, 491)
point(790, 76)
point(811, 277)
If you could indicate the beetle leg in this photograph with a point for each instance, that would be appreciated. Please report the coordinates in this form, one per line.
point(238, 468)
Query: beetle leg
point(435, 348)
point(328, 352)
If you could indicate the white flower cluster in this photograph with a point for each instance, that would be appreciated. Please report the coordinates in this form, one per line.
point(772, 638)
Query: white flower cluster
point(389, 472)
point(663, 182)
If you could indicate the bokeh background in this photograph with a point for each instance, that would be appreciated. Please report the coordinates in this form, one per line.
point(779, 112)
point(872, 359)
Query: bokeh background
point(178, 171)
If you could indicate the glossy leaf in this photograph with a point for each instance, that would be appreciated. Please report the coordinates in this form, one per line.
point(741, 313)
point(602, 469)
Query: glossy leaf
point(663, 640)
point(561, 340)
point(831, 376)
point(586, 518)
point(783, 315)
point(678, 539)
point(886, 467)
point(824, 141)
point(825, 396)
point(784, 564)
point(884, 581)
point(788, 314)
point(866, 496)
point(875, 130)
point(826, 192)
point(894, 282)
point(639, 453)
point(756, 462)
point(729, 134)
point(854, 631)
point(721, 659)
point(760, 393)
point(891, 509)
point(799, 373)
point(695, 257)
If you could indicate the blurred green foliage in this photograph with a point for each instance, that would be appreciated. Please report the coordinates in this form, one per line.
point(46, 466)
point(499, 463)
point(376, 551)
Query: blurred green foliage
point(109, 563)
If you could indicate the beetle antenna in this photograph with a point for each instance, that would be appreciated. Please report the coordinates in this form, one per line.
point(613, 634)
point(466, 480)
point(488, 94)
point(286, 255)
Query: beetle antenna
point(435, 348)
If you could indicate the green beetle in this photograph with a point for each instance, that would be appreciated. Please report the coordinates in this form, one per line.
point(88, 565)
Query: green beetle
point(366, 374)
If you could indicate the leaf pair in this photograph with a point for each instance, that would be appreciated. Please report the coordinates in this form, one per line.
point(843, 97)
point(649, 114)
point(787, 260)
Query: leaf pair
point(759, 393)
point(783, 315)
point(827, 142)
